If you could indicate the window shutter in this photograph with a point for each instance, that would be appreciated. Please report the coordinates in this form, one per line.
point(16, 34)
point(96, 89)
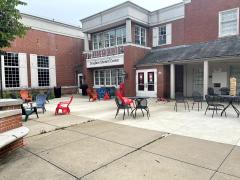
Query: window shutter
point(34, 70)
point(155, 32)
point(3, 72)
point(169, 33)
point(52, 71)
point(23, 71)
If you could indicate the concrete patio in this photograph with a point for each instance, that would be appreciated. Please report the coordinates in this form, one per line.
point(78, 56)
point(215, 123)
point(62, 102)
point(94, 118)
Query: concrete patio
point(163, 118)
point(103, 150)
point(91, 144)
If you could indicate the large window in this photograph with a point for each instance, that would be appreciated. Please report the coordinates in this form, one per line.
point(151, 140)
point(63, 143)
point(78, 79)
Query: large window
point(109, 38)
point(11, 70)
point(162, 35)
point(229, 22)
point(108, 77)
point(140, 35)
point(43, 71)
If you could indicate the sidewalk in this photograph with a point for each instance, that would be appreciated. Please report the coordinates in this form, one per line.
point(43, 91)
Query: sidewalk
point(103, 150)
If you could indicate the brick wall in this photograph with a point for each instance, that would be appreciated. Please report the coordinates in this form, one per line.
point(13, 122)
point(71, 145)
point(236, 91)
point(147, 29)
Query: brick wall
point(201, 19)
point(9, 123)
point(67, 50)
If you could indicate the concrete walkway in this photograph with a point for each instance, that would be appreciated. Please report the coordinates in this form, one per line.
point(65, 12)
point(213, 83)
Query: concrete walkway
point(109, 151)
point(163, 118)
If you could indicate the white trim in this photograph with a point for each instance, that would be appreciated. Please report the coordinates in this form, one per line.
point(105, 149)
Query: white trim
point(220, 23)
point(34, 70)
point(140, 36)
point(3, 72)
point(51, 26)
point(23, 70)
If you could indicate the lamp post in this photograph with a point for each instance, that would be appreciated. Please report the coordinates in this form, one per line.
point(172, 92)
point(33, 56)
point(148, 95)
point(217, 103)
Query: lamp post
point(1, 87)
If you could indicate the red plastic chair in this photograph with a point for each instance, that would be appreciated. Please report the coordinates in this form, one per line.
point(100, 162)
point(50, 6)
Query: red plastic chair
point(125, 100)
point(92, 94)
point(64, 106)
point(25, 96)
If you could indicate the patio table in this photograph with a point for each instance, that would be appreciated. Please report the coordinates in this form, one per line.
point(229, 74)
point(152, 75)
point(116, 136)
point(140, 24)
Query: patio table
point(137, 100)
point(230, 100)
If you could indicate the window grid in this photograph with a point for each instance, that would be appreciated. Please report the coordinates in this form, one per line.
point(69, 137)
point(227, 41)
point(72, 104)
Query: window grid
point(43, 71)
point(140, 35)
point(109, 38)
point(228, 22)
point(11, 70)
point(108, 77)
point(162, 35)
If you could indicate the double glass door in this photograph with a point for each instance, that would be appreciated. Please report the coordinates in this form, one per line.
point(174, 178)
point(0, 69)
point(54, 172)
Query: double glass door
point(146, 82)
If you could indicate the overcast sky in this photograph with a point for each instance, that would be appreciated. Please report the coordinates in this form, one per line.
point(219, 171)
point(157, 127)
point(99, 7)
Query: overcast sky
point(71, 11)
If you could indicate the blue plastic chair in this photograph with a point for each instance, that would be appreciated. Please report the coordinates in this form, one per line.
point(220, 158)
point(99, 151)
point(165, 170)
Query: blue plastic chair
point(40, 101)
point(101, 92)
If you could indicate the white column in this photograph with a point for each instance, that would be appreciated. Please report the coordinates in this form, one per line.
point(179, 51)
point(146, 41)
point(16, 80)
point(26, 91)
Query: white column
point(205, 78)
point(86, 42)
point(128, 31)
point(172, 81)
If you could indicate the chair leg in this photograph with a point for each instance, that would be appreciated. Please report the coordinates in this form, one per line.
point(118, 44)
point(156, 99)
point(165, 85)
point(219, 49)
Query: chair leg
point(206, 109)
point(117, 113)
point(142, 112)
point(185, 106)
point(128, 111)
point(198, 106)
point(124, 114)
point(188, 107)
point(26, 118)
point(193, 105)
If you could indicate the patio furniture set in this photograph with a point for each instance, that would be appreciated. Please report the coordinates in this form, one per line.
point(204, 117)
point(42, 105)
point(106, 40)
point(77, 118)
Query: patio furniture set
point(30, 107)
point(214, 101)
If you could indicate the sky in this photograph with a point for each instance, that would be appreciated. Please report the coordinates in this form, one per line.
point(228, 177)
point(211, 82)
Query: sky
point(71, 11)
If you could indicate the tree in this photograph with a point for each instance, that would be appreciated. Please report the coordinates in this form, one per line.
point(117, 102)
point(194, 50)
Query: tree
point(10, 27)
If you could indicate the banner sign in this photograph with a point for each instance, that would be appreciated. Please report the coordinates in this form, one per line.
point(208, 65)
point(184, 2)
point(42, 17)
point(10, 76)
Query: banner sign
point(105, 61)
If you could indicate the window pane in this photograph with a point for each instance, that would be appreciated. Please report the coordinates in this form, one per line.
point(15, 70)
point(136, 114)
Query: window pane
point(114, 77)
point(120, 76)
point(43, 61)
point(112, 38)
point(96, 75)
point(102, 77)
point(11, 77)
point(11, 70)
point(43, 77)
point(137, 34)
point(162, 35)
point(228, 24)
point(95, 43)
point(100, 40)
point(119, 36)
point(108, 77)
point(107, 39)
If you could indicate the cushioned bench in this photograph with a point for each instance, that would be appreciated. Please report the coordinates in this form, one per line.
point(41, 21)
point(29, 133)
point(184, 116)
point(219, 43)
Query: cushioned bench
point(13, 135)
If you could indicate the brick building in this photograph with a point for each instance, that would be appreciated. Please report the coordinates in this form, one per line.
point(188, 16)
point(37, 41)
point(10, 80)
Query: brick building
point(47, 56)
point(183, 48)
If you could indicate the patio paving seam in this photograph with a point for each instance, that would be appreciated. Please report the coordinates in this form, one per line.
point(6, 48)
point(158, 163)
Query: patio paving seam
point(52, 164)
point(223, 162)
point(131, 152)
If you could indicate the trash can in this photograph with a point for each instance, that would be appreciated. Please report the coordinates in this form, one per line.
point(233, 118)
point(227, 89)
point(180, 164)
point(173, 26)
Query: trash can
point(84, 88)
point(58, 92)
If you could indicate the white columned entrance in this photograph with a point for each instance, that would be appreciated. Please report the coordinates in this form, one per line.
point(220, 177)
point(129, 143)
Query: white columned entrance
point(128, 31)
point(172, 81)
point(86, 42)
point(205, 78)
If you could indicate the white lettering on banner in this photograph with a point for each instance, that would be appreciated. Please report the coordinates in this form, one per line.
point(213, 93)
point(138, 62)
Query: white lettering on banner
point(106, 61)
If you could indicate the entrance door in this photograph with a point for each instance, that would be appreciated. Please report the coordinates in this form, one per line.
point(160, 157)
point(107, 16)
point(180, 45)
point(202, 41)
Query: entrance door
point(179, 78)
point(146, 82)
point(80, 82)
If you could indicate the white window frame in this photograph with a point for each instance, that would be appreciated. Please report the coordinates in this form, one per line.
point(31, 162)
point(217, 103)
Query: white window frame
point(3, 72)
point(44, 68)
point(140, 35)
point(111, 85)
point(123, 28)
point(165, 26)
point(220, 22)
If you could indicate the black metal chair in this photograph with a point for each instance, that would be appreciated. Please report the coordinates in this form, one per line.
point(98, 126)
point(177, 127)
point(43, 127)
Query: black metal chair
point(28, 111)
point(211, 92)
point(225, 91)
point(142, 104)
point(212, 105)
point(180, 100)
point(197, 99)
point(120, 105)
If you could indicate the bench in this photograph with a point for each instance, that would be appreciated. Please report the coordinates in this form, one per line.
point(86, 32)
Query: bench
point(13, 135)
